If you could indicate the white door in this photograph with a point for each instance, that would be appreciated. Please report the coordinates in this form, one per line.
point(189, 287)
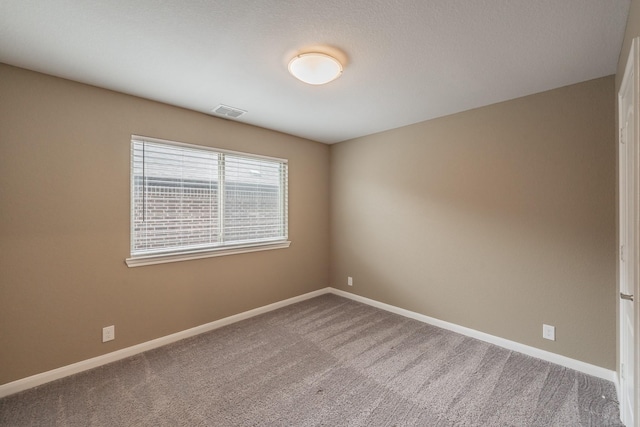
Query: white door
point(628, 235)
point(626, 281)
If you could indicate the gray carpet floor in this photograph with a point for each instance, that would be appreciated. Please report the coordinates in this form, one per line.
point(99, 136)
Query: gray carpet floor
point(327, 361)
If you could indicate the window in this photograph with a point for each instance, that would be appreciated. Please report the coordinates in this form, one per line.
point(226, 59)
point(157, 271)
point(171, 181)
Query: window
point(192, 202)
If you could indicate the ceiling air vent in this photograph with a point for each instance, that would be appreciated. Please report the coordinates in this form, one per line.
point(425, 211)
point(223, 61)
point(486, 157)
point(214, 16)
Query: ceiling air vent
point(225, 110)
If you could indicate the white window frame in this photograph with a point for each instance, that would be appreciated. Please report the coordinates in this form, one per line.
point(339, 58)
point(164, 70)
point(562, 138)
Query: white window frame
point(214, 251)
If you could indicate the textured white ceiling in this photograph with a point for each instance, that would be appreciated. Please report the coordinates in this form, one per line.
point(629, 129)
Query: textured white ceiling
point(408, 61)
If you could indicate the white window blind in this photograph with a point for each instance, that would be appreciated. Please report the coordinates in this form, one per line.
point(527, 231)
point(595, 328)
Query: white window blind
point(187, 198)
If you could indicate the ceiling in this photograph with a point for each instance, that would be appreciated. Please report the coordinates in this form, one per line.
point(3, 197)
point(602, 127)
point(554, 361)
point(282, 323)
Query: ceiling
point(406, 61)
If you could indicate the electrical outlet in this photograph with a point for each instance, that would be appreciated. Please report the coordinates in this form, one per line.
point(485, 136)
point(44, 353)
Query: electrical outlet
point(549, 332)
point(108, 333)
point(350, 281)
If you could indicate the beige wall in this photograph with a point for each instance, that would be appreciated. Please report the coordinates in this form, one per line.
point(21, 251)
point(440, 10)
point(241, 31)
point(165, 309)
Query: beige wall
point(64, 225)
point(499, 219)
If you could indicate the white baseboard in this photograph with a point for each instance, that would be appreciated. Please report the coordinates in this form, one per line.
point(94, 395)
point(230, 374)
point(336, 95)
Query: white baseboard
point(64, 371)
point(548, 356)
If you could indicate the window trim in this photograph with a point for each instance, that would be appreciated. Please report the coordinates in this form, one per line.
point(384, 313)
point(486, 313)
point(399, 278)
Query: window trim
point(189, 254)
point(143, 260)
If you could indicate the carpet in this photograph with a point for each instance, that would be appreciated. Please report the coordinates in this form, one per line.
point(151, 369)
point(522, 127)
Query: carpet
point(327, 361)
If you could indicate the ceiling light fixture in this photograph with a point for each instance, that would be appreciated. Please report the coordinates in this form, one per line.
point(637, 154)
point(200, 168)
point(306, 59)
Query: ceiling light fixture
point(315, 68)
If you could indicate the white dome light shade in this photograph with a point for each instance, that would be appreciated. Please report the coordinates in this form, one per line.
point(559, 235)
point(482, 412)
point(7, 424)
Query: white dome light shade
point(315, 68)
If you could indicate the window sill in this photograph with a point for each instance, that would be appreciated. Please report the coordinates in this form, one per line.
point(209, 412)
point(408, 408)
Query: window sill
point(140, 261)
